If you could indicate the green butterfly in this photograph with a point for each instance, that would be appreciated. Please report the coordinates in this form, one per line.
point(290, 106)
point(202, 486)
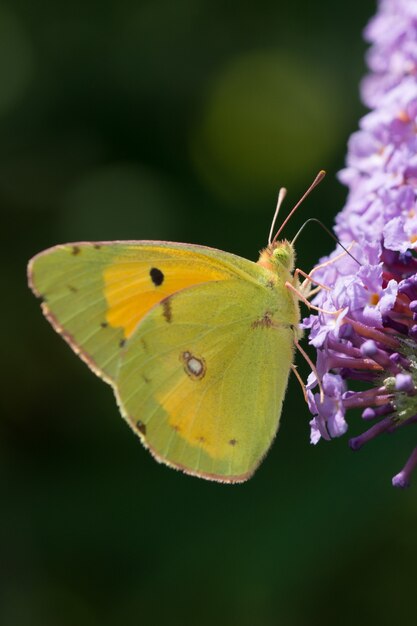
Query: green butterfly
point(197, 343)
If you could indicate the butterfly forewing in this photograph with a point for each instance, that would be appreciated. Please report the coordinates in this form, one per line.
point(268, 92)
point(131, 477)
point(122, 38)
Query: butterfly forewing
point(96, 294)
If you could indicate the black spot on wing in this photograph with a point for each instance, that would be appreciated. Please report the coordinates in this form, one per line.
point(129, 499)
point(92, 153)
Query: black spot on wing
point(75, 250)
point(144, 344)
point(141, 427)
point(157, 276)
point(263, 322)
point(167, 309)
point(122, 343)
point(104, 324)
point(97, 246)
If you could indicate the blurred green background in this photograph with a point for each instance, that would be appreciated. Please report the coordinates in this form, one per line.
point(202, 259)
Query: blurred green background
point(178, 120)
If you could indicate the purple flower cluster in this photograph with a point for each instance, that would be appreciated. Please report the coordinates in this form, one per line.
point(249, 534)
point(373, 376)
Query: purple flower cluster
point(372, 336)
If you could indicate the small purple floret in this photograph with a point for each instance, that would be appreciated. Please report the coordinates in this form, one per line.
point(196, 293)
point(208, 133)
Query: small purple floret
point(403, 478)
point(408, 287)
point(357, 442)
point(371, 413)
point(404, 382)
point(369, 348)
point(400, 480)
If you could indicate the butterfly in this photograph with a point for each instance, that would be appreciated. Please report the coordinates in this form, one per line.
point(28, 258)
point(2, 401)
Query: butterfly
point(197, 343)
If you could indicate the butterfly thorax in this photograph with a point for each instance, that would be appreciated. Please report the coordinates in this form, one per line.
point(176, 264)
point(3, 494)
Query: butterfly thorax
point(277, 261)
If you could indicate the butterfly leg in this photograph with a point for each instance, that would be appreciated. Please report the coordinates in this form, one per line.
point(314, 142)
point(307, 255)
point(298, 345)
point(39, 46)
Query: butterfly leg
point(300, 380)
point(303, 293)
point(305, 286)
point(302, 297)
point(313, 368)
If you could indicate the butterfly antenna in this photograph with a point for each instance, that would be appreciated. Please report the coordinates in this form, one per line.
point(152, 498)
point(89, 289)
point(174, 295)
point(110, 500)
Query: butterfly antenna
point(329, 232)
point(314, 184)
point(281, 195)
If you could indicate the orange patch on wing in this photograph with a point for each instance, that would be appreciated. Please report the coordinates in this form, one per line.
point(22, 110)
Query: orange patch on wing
point(200, 426)
point(131, 289)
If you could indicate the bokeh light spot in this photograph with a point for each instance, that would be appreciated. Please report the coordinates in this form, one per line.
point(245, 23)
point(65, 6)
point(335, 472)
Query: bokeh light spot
point(16, 60)
point(267, 121)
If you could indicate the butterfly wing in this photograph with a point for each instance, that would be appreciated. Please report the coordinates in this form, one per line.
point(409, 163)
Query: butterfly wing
point(203, 385)
point(196, 342)
point(95, 294)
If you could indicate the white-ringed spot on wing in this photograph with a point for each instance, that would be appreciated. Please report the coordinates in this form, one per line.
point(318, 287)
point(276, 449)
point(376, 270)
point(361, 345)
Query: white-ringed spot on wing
point(194, 366)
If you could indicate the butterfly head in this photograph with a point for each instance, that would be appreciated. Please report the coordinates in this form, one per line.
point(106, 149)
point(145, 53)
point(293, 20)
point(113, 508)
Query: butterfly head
point(278, 256)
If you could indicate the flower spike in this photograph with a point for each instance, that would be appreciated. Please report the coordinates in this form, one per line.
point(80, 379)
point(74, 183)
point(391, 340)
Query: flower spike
point(375, 342)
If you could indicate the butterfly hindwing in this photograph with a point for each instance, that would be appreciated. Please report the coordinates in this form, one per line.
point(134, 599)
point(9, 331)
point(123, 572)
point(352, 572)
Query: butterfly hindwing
point(203, 378)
